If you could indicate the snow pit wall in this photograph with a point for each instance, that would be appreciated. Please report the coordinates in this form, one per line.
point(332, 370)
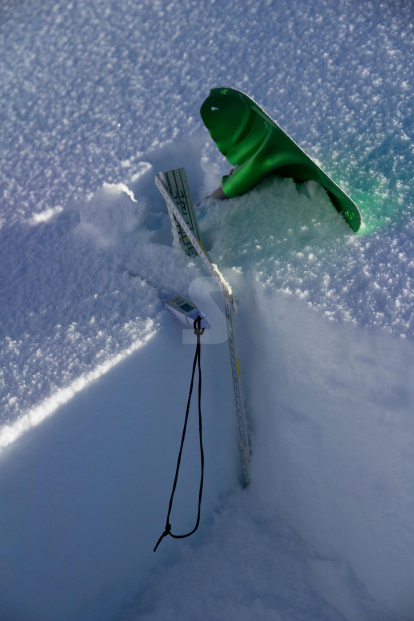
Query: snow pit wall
point(84, 495)
point(330, 408)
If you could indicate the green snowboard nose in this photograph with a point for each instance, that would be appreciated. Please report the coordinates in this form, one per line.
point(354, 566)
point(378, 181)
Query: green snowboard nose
point(257, 146)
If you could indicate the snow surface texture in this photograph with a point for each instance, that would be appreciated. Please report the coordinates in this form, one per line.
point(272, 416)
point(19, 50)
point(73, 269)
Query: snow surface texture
point(96, 97)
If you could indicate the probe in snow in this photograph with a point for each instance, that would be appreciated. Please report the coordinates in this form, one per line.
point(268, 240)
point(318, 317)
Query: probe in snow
point(198, 331)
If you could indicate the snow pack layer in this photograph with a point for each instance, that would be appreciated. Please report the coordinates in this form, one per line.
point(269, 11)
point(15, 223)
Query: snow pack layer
point(292, 239)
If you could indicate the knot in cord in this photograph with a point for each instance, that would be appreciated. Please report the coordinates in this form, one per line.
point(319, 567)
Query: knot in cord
point(198, 331)
point(166, 532)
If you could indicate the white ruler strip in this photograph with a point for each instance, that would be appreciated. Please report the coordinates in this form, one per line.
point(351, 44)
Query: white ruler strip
point(176, 215)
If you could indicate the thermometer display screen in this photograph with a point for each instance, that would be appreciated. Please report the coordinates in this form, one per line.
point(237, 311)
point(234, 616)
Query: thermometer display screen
point(186, 307)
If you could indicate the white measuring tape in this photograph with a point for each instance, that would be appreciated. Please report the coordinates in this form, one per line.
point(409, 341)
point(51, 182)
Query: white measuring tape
point(180, 208)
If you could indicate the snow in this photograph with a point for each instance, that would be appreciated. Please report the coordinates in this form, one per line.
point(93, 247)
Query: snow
point(96, 97)
point(252, 585)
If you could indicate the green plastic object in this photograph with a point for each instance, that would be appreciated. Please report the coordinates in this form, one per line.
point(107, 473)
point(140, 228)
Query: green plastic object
point(257, 147)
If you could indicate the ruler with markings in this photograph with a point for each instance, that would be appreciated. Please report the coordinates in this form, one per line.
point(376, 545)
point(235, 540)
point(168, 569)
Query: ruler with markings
point(174, 188)
point(176, 182)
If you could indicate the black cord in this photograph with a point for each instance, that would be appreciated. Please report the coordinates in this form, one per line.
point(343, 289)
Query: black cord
point(198, 332)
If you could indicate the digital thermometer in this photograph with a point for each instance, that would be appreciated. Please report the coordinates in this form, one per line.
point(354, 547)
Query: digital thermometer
point(186, 311)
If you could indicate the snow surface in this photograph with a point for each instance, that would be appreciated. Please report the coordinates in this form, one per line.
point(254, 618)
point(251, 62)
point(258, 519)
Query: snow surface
point(96, 97)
